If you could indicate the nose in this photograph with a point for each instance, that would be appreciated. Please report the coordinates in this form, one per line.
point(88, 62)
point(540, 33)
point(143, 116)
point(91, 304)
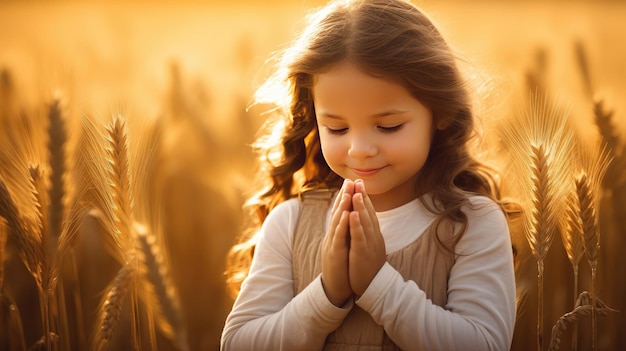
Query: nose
point(362, 146)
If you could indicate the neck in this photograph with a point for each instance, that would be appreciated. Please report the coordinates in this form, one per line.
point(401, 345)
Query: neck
point(386, 201)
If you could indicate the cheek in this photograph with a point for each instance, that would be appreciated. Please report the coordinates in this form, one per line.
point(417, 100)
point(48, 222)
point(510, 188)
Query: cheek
point(414, 145)
point(332, 148)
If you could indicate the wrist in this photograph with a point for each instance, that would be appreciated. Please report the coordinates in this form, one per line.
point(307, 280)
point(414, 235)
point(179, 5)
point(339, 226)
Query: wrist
point(336, 299)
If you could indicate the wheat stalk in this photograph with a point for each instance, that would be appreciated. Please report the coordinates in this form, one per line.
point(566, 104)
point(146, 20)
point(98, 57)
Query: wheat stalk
point(540, 143)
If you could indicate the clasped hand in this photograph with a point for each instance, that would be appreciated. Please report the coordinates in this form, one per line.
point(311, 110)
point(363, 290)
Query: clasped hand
point(353, 250)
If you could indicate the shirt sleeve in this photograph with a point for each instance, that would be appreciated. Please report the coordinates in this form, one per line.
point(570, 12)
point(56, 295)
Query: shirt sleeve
point(266, 315)
point(481, 307)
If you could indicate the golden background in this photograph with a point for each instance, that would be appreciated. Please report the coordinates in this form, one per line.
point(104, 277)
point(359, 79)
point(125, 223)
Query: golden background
point(193, 66)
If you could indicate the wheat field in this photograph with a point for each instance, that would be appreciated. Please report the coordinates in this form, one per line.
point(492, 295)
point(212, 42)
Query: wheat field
point(125, 160)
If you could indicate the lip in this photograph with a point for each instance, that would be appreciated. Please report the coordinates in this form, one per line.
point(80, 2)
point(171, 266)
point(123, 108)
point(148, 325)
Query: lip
point(366, 172)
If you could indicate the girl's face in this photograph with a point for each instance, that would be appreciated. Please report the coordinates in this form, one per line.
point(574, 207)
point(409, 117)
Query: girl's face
point(372, 129)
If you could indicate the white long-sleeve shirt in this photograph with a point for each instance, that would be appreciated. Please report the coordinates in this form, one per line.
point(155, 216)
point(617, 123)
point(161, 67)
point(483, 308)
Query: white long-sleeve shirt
point(479, 314)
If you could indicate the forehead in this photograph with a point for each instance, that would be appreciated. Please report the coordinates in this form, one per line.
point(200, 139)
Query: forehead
point(346, 85)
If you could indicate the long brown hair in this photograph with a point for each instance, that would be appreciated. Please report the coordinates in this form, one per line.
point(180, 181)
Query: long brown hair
point(386, 38)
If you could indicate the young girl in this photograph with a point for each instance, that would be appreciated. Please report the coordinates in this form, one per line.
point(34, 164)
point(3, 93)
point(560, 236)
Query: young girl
point(378, 229)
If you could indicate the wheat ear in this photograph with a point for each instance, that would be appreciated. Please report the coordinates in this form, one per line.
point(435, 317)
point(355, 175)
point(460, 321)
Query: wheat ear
point(539, 143)
point(120, 173)
point(541, 230)
point(583, 67)
point(611, 140)
point(103, 166)
point(595, 162)
point(26, 242)
point(119, 176)
point(46, 274)
point(161, 293)
point(57, 140)
point(112, 305)
point(604, 121)
point(571, 235)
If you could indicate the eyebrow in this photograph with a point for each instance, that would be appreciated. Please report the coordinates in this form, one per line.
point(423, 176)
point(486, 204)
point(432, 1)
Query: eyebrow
point(377, 115)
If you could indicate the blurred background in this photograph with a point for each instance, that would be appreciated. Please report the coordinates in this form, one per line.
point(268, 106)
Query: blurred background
point(190, 67)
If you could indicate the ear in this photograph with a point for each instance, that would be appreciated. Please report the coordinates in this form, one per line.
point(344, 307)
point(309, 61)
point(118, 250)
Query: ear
point(441, 124)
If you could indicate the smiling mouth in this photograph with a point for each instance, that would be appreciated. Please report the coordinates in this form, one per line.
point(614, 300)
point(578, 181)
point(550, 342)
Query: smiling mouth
point(366, 171)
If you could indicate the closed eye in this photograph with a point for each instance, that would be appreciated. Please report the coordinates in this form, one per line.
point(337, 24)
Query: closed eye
point(337, 131)
point(390, 129)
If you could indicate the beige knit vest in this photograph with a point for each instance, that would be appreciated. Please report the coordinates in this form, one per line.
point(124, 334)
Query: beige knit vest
point(423, 261)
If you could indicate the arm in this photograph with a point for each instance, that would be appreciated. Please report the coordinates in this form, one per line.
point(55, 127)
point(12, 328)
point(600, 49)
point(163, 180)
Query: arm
point(266, 315)
point(480, 313)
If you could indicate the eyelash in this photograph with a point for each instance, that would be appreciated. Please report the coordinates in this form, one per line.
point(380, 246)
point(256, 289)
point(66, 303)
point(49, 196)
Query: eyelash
point(380, 128)
point(390, 129)
point(337, 131)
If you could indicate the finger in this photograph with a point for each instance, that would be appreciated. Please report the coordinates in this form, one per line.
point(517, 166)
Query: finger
point(344, 205)
point(357, 234)
point(338, 207)
point(360, 188)
point(365, 217)
point(341, 232)
point(339, 195)
point(349, 187)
